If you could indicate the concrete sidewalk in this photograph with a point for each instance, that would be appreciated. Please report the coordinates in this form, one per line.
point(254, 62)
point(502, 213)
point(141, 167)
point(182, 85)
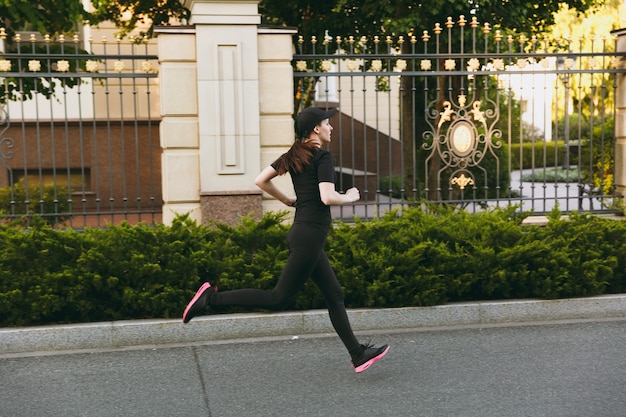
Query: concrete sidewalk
point(130, 333)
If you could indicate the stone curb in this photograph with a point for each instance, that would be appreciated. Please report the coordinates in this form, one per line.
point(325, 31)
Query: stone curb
point(129, 333)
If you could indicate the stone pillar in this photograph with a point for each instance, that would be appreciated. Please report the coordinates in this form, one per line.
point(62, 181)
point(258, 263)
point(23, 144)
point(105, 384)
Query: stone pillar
point(620, 118)
point(179, 122)
point(228, 107)
point(226, 104)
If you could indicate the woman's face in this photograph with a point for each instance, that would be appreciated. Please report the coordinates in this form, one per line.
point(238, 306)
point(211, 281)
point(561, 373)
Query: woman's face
point(325, 130)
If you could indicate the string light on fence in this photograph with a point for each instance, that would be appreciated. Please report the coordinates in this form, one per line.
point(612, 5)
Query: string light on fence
point(473, 64)
point(34, 65)
point(449, 64)
point(325, 65)
point(63, 65)
point(91, 66)
point(352, 65)
point(498, 64)
point(146, 66)
point(301, 66)
point(119, 66)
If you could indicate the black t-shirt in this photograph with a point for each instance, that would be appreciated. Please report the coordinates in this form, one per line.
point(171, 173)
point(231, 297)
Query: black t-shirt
point(309, 206)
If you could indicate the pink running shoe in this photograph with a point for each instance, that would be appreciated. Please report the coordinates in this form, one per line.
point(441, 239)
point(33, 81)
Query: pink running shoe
point(370, 355)
point(198, 303)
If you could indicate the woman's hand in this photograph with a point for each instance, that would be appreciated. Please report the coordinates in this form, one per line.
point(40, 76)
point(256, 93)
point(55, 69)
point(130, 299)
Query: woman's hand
point(264, 182)
point(353, 194)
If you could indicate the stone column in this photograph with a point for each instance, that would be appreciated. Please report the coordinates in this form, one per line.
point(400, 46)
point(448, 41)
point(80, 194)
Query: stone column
point(228, 107)
point(620, 120)
point(226, 104)
point(179, 122)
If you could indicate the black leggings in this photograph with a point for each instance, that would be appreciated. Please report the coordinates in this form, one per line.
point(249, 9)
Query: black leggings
point(306, 259)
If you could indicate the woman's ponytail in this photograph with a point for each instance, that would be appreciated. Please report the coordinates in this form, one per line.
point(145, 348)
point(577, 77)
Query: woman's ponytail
point(295, 159)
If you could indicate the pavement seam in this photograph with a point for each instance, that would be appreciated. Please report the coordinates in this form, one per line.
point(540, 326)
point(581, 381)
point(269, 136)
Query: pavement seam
point(205, 394)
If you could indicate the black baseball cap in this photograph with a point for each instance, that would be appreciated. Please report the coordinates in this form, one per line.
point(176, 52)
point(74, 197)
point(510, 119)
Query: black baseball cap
point(309, 118)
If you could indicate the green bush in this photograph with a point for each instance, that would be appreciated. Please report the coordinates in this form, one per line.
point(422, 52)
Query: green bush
point(422, 258)
point(50, 202)
point(539, 155)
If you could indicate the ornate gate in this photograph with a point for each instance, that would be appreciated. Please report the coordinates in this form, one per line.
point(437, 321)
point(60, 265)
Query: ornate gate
point(467, 116)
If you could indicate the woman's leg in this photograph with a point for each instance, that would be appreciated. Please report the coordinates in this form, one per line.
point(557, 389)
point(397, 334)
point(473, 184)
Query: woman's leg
point(305, 244)
point(326, 280)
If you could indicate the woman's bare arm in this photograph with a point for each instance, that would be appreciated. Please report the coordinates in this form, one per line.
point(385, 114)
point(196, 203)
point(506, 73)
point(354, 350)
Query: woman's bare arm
point(331, 197)
point(264, 182)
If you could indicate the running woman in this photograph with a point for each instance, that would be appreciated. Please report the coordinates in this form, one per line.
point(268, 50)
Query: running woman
point(313, 176)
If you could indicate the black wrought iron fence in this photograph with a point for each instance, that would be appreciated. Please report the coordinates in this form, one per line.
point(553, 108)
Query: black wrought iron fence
point(79, 140)
point(466, 116)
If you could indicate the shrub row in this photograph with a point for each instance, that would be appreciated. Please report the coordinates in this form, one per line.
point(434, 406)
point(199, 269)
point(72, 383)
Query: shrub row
point(539, 155)
point(422, 258)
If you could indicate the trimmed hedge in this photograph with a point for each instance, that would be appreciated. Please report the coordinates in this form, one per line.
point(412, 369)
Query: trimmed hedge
point(539, 155)
point(421, 258)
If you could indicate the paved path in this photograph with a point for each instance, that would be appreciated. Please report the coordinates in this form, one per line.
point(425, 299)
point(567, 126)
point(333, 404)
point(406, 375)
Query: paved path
point(573, 368)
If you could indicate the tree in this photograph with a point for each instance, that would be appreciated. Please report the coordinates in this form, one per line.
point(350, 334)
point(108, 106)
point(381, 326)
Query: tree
point(44, 16)
point(64, 16)
point(127, 14)
point(402, 17)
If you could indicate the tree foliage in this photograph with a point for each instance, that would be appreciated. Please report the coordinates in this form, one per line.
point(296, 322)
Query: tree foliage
point(64, 16)
point(401, 17)
point(44, 16)
point(312, 17)
point(128, 14)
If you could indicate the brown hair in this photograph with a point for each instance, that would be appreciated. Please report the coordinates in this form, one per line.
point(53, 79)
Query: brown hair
point(295, 159)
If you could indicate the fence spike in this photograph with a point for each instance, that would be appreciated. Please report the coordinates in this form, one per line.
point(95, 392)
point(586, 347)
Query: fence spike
point(462, 20)
point(449, 22)
point(474, 24)
point(486, 28)
point(425, 36)
point(437, 29)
